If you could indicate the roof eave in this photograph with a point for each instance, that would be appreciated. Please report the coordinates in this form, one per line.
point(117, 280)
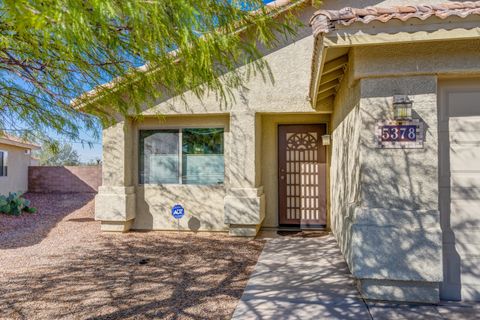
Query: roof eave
point(19, 144)
point(361, 34)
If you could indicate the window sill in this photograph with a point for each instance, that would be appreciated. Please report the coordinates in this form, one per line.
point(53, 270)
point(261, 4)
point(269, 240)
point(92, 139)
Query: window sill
point(177, 185)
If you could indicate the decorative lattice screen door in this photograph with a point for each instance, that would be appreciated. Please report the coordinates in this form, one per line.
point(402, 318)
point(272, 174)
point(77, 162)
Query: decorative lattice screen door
point(301, 175)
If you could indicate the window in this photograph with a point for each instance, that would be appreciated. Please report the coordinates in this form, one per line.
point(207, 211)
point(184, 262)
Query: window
point(202, 156)
point(3, 163)
point(187, 156)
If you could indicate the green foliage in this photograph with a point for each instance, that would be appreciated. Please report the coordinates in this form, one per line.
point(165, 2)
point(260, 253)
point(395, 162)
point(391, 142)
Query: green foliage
point(14, 204)
point(30, 210)
point(51, 51)
point(58, 154)
point(92, 162)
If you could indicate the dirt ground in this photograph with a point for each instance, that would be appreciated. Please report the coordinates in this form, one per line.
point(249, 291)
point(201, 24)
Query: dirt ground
point(56, 264)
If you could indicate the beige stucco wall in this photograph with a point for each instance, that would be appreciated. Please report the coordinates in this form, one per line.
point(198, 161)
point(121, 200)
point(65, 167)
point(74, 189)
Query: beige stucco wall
point(115, 201)
point(17, 177)
point(203, 207)
point(117, 154)
point(387, 197)
point(289, 64)
point(249, 189)
point(404, 179)
point(203, 204)
point(459, 57)
point(390, 197)
point(241, 201)
point(398, 199)
point(269, 165)
point(384, 203)
point(345, 161)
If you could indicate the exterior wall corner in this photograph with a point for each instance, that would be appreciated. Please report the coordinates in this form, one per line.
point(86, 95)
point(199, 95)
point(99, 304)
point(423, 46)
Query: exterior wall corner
point(115, 201)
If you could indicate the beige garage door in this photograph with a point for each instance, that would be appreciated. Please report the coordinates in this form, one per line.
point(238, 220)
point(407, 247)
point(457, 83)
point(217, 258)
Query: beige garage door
point(459, 150)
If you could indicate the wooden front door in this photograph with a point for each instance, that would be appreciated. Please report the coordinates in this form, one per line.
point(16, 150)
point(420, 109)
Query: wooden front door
point(302, 175)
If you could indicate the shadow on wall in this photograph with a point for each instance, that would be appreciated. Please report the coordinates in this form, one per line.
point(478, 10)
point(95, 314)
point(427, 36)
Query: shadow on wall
point(390, 178)
point(204, 204)
point(399, 190)
point(114, 170)
point(64, 179)
point(203, 207)
point(139, 275)
point(30, 229)
point(397, 232)
point(344, 196)
point(241, 94)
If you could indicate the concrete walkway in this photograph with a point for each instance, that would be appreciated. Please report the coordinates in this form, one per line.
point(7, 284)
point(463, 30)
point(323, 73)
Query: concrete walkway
point(301, 278)
point(307, 278)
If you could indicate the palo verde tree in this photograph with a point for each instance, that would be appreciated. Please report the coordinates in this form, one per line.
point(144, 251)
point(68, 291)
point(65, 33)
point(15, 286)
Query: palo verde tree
point(52, 51)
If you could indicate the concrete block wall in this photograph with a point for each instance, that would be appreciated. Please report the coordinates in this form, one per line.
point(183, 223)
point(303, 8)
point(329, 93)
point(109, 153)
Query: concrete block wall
point(64, 179)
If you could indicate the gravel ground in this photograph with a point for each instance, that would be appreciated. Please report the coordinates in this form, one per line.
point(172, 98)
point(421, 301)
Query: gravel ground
point(57, 264)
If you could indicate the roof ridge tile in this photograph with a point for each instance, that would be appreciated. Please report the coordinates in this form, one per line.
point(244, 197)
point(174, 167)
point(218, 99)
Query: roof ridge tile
point(323, 21)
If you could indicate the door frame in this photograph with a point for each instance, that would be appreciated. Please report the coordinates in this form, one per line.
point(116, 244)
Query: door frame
point(327, 176)
point(449, 291)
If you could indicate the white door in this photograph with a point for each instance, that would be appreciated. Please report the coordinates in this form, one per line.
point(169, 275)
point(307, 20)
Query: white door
point(459, 156)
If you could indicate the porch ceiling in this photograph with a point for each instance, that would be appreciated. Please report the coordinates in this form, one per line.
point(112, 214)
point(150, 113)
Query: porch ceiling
point(331, 74)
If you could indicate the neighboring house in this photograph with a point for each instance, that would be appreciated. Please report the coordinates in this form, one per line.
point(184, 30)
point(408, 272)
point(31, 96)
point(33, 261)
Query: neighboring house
point(401, 193)
point(15, 158)
point(34, 162)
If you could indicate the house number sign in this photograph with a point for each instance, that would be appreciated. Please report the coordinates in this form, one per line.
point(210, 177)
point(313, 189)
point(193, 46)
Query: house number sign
point(399, 134)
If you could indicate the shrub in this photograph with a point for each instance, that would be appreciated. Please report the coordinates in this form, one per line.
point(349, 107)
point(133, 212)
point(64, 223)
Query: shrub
point(14, 205)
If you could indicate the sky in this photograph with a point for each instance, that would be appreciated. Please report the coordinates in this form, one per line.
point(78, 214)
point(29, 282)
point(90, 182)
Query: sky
point(90, 153)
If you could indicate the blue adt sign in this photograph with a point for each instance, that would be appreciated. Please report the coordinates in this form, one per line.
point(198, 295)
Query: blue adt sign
point(178, 211)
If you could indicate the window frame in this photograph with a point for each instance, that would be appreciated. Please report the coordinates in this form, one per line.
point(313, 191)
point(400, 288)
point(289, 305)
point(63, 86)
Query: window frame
point(180, 152)
point(4, 163)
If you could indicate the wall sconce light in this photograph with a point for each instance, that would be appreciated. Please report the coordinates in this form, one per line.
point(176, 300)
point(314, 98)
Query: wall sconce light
point(402, 108)
point(326, 140)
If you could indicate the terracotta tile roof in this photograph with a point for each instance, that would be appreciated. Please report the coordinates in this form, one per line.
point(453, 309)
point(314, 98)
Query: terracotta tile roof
point(324, 21)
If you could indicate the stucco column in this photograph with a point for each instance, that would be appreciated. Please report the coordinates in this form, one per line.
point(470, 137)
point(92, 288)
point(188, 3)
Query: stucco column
point(396, 240)
point(115, 201)
point(244, 204)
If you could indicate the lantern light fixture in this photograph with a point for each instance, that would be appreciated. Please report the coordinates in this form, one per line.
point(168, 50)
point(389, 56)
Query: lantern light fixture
point(402, 107)
point(326, 140)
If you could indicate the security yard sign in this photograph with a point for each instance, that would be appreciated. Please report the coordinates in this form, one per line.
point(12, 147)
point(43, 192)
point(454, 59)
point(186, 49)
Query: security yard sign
point(400, 134)
point(178, 212)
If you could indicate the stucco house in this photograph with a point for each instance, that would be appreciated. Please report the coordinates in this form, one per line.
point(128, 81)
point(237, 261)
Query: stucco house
point(15, 158)
point(371, 130)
